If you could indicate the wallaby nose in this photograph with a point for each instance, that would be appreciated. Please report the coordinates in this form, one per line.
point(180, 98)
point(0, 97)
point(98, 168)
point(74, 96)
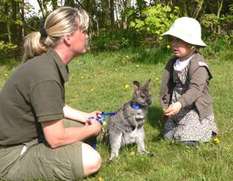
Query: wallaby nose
point(149, 102)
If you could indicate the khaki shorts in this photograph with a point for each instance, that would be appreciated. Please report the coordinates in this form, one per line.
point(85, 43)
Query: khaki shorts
point(41, 162)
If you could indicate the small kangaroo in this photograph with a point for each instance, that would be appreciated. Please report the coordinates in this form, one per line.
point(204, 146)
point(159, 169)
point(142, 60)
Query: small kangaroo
point(126, 126)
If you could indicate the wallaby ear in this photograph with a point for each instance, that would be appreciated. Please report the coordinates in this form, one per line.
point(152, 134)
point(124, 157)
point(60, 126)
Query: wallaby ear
point(136, 85)
point(146, 85)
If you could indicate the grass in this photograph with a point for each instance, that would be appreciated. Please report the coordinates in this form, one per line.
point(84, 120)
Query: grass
point(102, 81)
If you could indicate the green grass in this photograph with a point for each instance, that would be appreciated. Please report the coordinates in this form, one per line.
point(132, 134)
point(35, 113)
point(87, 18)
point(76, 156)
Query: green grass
point(98, 82)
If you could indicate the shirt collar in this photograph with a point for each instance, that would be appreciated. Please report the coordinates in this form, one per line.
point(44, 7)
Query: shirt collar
point(180, 65)
point(63, 68)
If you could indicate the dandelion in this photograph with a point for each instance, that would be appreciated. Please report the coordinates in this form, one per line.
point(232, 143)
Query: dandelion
point(216, 140)
point(132, 153)
point(100, 179)
point(126, 86)
point(137, 66)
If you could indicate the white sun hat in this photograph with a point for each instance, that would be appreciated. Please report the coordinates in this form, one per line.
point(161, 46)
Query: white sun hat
point(188, 30)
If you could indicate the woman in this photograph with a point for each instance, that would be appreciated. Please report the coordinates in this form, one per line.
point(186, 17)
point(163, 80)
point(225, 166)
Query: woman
point(34, 143)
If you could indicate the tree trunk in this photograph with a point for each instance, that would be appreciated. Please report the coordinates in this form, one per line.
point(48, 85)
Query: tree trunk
point(23, 20)
point(111, 12)
point(8, 28)
point(220, 5)
point(54, 4)
point(198, 9)
point(42, 8)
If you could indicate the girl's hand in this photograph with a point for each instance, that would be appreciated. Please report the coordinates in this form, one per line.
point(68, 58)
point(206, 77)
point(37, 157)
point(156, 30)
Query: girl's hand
point(173, 109)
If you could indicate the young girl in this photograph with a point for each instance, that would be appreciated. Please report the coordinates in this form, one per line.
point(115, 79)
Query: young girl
point(184, 92)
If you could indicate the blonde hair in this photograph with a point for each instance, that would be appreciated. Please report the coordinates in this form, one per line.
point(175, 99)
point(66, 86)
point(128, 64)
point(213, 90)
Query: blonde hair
point(62, 21)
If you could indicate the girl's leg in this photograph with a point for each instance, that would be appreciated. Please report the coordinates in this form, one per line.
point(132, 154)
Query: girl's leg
point(169, 129)
point(190, 128)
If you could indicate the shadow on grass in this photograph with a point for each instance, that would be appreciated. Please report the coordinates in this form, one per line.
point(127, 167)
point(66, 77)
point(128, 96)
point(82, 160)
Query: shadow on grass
point(155, 119)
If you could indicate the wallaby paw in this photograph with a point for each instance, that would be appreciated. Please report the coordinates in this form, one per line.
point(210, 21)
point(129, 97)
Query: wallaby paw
point(147, 153)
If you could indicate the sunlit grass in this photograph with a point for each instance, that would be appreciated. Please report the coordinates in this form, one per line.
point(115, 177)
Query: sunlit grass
point(103, 81)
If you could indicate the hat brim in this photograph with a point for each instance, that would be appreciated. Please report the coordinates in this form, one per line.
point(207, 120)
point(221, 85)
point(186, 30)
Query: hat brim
point(196, 42)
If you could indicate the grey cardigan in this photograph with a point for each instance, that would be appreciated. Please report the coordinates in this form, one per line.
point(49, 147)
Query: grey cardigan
point(197, 93)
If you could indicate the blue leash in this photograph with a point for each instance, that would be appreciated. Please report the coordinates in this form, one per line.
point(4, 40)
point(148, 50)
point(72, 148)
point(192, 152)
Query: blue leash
point(101, 118)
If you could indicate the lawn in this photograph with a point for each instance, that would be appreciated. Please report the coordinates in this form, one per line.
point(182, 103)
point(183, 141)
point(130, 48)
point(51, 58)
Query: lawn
point(103, 81)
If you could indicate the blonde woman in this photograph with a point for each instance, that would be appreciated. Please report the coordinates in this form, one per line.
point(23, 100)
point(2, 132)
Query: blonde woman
point(184, 94)
point(34, 143)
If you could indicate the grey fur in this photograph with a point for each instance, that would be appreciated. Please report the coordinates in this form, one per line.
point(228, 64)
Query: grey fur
point(126, 126)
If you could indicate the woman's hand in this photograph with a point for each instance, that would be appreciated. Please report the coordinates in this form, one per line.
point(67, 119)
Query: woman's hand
point(97, 127)
point(95, 114)
point(173, 109)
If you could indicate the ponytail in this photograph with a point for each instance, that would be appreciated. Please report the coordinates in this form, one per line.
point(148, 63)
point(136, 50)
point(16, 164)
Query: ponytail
point(33, 46)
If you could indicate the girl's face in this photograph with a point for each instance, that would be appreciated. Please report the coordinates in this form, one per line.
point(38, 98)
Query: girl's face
point(180, 48)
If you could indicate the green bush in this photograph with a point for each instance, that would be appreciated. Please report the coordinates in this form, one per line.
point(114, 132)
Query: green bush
point(114, 40)
point(219, 47)
point(155, 20)
point(7, 49)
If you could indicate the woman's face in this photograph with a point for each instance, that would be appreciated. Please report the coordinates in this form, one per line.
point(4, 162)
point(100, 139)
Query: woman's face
point(79, 42)
point(180, 48)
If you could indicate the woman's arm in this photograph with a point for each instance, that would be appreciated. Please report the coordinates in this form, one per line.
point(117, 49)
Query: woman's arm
point(57, 135)
point(77, 115)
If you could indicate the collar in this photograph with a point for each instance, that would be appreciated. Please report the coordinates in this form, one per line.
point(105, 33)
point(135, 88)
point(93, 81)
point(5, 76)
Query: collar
point(63, 68)
point(135, 106)
point(180, 65)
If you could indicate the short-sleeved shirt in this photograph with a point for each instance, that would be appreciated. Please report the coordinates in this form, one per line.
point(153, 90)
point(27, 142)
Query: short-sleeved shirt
point(33, 94)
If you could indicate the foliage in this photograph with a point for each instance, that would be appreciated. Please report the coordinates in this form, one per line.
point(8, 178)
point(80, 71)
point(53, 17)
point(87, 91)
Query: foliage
point(216, 47)
point(7, 49)
point(114, 40)
point(210, 22)
point(155, 20)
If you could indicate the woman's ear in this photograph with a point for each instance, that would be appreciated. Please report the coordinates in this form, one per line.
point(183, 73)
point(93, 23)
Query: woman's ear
point(66, 39)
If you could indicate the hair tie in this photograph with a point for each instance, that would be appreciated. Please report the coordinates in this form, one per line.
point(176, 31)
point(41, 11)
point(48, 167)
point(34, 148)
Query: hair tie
point(43, 32)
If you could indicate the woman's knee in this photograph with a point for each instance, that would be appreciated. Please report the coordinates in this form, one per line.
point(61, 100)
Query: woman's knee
point(91, 159)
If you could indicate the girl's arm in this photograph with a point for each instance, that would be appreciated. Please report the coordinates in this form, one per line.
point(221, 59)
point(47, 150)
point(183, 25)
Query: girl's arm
point(198, 82)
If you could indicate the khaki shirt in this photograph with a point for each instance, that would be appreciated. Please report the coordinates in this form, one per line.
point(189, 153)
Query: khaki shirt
point(33, 94)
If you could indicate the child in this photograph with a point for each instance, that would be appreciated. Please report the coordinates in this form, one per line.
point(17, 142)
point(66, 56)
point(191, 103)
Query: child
point(184, 92)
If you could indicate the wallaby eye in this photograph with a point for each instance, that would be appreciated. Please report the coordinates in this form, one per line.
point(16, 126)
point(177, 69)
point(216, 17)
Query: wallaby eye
point(143, 96)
